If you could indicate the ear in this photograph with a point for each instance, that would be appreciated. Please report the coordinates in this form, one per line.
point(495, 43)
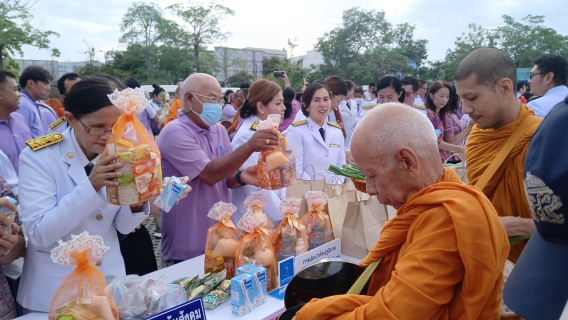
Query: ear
point(260, 106)
point(70, 119)
point(61, 99)
point(549, 78)
point(505, 87)
point(431, 95)
point(408, 160)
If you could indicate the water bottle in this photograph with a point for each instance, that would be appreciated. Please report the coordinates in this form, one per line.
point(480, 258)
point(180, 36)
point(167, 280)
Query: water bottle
point(316, 239)
point(287, 250)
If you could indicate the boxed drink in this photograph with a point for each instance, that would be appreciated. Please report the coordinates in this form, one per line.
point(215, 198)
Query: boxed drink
point(242, 294)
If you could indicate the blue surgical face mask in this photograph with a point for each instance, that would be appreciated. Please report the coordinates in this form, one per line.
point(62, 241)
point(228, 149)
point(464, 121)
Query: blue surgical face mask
point(211, 113)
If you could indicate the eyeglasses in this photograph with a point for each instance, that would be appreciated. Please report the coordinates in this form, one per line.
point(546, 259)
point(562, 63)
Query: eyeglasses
point(213, 99)
point(536, 74)
point(340, 101)
point(95, 131)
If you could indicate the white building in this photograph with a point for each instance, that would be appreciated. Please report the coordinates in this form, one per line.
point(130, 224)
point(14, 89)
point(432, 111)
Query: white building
point(249, 60)
point(312, 57)
point(71, 66)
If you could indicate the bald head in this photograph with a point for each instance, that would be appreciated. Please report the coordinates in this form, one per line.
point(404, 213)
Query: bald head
point(202, 84)
point(489, 65)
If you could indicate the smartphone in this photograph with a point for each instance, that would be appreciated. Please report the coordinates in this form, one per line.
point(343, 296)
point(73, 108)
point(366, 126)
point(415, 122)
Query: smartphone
point(278, 74)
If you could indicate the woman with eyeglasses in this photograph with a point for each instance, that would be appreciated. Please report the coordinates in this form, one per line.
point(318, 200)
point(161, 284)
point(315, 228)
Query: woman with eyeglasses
point(63, 180)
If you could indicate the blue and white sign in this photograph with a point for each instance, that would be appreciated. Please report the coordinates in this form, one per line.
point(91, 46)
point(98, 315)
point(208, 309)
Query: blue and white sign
point(285, 271)
point(191, 310)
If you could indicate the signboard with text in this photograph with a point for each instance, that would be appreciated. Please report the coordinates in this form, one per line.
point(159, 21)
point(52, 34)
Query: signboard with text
point(191, 310)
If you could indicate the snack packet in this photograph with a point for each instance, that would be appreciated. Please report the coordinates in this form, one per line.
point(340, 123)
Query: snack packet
point(138, 152)
point(214, 298)
point(222, 240)
point(10, 215)
point(256, 246)
point(276, 169)
point(82, 294)
point(172, 191)
point(290, 237)
point(316, 220)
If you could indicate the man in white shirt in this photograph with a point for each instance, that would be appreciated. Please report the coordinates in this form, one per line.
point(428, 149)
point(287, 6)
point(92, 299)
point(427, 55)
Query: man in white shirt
point(369, 91)
point(521, 88)
point(548, 79)
point(410, 86)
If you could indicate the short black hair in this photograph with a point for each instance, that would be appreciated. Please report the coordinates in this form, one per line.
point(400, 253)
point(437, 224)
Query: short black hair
point(520, 84)
point(410, 81)
point(391, 81)
point(112, 80)
point(132, 83)
point(157, 90)
point(4, 74)
point(359, 89)
point(350, 85)
point(421, 82)
point(299, 95)
point(288, 94)
point(61, 82)
point(88, 95)
point(372, 84)
point(309, 94)
point(556, 64)
point(34, 73)
point(244, 85)
point(489, 65)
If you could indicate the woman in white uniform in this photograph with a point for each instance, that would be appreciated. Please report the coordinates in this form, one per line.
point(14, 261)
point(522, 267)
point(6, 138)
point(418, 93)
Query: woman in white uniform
point(263, 99)
point(317, 143)
point(340, 94)
point(389, 89)
point(63, 180)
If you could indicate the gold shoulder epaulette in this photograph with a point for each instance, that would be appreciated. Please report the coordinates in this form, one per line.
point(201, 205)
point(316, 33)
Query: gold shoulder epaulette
point(45, 141)
point(57, 123)
point(299, 123)
point(370, 106)
point(333, 124)
point(254, 126)
point(419, 106)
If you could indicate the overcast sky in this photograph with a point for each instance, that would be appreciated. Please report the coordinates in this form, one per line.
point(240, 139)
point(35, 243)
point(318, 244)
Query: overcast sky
point(268, 23)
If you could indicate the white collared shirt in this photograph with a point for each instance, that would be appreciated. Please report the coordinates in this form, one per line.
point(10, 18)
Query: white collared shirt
point(544, 104)
point(81, 155)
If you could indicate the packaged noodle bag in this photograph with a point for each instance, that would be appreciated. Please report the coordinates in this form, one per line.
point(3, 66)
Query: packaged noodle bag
point(316, 220)
point(276, 169)
point(138, 152)
point(290, 237)
point(222, 240)
point(82, 295)
point(255, 247)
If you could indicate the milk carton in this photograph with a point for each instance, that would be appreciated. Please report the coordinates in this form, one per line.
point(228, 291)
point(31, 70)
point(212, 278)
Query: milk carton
point(260, 280)
point(245, 268)
point(242, 294)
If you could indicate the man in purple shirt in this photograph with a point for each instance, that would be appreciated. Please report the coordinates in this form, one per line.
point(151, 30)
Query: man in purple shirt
point(149, 115)
point(13, 129)
point(194, 145)
point(34, 82)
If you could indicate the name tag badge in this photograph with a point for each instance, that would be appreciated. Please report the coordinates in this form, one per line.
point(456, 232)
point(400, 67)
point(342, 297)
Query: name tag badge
point(334, 144)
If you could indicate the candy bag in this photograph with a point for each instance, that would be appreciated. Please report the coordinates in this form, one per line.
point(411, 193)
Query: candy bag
point(128, 295)
point(82, 295)
point(222, 240)
point(255, 247)
point(276, 169)
point(290, 237)
point(316, 221)
point(138, 152)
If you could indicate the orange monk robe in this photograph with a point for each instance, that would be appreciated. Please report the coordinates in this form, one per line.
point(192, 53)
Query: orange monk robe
point(443, 257)
point(506, 189)
point(56, 106)
point(173, 113)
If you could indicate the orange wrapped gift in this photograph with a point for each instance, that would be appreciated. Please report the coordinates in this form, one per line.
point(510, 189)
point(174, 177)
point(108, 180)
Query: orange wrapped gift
point(222, 240)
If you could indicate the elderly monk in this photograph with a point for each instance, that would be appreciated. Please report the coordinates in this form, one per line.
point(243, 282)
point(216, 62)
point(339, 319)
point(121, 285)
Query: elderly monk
point(443, 254)
point(486, 81)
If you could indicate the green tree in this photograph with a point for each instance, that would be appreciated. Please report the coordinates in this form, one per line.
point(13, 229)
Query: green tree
point(236, 79)
point(144, 25)
point(200, 28)
point(16, 29)
point(295, 72)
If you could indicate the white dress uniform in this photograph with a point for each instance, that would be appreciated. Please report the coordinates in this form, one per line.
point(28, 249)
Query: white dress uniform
point(58, 200)
point(368, 106)
point(418, 101)
point(238, 195)
point(310, 148)
point(420, 108)
point(59, 125)
point(544, 104)
point(349, 117)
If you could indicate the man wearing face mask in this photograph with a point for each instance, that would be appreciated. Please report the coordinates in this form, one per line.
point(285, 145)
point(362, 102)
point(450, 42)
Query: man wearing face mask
point(195, 145)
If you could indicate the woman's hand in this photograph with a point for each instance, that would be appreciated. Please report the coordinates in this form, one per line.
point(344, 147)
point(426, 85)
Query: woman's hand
point(104, 172)
point(7, 240)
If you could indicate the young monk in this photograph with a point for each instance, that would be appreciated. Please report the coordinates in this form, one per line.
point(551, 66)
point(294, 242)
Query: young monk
point(486, 81)
point(444, 252)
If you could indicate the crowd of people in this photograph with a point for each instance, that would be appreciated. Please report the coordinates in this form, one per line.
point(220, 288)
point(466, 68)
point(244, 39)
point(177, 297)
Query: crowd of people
point(442, 256)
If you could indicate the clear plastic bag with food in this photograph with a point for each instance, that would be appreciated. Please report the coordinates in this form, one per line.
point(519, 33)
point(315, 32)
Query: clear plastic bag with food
point(222, 240)
point(276, 169)
point(138, 152)
point(255, 247)
point(317, 221)
point(161, 295)
point(290, 238)
point(82, 294)
point(128, 295)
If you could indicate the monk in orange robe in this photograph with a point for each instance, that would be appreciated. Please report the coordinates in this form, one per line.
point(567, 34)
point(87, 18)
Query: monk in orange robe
point(443, 254)
point(486, 81)
point(176, 105)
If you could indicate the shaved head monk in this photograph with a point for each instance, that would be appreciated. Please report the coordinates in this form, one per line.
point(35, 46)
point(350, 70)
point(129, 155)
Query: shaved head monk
point(486, 81)
point(443, 254)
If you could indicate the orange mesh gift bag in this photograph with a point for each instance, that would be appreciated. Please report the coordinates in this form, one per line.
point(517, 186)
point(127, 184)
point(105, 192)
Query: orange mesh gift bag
point(222, 240)
point(255, 247)
point(138, 152)
point(81, 295)
point(291, 231)
point(316, 220)
point(276, 169)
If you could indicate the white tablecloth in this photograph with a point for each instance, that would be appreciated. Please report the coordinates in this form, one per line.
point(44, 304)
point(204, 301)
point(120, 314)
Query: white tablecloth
point(192, 267)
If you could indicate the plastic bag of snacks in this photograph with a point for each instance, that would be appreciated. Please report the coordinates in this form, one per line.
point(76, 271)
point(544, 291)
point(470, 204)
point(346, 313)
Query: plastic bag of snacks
point(82, 295)
point(316, 220)
point(290, 237)
point(256, 247)
point(160, 295)
point(276, 169)
point(138, 152)
point(222, 240)
point(253, 205)
point(128, 295)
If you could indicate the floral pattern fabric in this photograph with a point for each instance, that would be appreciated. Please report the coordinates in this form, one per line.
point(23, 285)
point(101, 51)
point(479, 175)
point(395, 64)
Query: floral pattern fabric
point(439, 127)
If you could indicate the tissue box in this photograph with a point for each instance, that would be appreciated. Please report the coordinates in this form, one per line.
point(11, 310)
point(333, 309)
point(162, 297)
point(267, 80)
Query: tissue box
point(242, 294)
point(245, 268)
